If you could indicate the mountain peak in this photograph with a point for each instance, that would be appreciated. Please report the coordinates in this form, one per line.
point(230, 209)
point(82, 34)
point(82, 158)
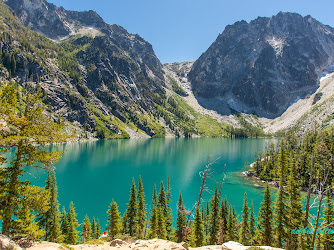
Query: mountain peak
point(263, 66)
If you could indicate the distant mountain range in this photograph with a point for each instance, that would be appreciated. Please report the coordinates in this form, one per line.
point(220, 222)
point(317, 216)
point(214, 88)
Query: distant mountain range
point(103, 80)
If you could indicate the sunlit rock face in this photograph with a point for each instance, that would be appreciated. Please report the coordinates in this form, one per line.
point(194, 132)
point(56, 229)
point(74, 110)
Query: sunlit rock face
point(264, 66)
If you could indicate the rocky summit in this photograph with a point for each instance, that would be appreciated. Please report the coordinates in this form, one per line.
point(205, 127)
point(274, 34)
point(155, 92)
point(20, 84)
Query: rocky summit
point(264, 66)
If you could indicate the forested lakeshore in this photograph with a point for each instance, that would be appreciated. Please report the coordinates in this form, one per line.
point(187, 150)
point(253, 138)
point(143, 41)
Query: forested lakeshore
point(33, 213)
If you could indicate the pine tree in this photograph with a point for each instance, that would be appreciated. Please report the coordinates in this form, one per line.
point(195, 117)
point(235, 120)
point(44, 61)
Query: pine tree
point(114, 225)
point(294, 207)
point(206, 218)
point(280, 219)
point(328, 218)
point(88, 232)
point(252, 226)
point(153, 227)
point(84, 233)
point(198, 229)
point(244, 230)
point(54, 227)
point(64, 224)
point(265, 220)
point(161, 222)
point(232, 222)
point(93, 228)
point(141, 213)
point(180, 220)
point(98, 229)
point(44, 218)
point(30, 128)
point(131, 211)
point(214, 218)
point(72, 235)
point(169, 218)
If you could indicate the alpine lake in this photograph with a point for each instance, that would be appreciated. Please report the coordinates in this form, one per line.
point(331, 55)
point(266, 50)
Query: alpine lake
point(93, 173)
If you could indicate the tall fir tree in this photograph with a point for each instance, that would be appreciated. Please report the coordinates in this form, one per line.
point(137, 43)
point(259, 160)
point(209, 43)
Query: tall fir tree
point(252, 225)
point(264, 231)
point(88, 232)
point(294, 207)
point(214, 218)
point(327, 219)
point(180, 220)
point(54, 213)
point(98, 229)
point(280, 213)
point(169, 218)
point(198, 229)
point(114, 225)
point(72, 234)
point(64, 225)
point(141, 213)
point(93, 228)
point(244, 229)
point(232, 222)
point(131, 211)
point(153, 221)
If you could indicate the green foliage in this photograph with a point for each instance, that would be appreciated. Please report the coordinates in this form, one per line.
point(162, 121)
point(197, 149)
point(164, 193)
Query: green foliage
point(245, 230)
point(214, 218)
point(198, 229)
point(72, 233)
point(131, 211)
point(26, 127)
point(264, 231)
point(180, 220)
point(141, 212)
point(114, 225)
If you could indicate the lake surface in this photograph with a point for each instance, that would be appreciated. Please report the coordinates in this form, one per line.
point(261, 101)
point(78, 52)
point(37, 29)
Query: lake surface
point(92, 173)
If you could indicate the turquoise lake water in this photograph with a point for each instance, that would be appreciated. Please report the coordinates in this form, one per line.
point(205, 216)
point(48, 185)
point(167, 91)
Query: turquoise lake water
point(92, 173)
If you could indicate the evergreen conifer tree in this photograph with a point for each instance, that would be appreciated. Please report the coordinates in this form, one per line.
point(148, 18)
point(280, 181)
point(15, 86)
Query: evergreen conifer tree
point(153, 222)
point(252, 226)
point(72, 234)
point(131, 211)
point(114, 225)
point(265, 220)
point(244, 230)
point(64, 225)
point(328, 218)
point(98, 229)
point(54, 227)
point(169, 218)
point(141, 213)
point(181, 219)
point(198, 229)
point(93, 228)
point(88, 232)
point(214, 218)
point(294, 207)
point(30, 128)
point(280, 216)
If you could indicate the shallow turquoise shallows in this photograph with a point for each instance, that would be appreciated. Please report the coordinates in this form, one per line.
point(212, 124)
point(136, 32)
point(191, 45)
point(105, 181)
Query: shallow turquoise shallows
point(91, 174)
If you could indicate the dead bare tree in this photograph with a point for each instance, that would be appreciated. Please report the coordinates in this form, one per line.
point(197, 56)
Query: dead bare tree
point(205, 175)
point(321, 191)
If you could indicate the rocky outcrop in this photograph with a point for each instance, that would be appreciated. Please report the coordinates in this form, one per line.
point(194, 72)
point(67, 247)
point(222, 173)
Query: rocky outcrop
point(101, 69)
point(264, 66)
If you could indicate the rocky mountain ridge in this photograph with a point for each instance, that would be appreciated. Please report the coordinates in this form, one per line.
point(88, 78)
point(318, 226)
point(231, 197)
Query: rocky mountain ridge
point(108, 82)
point(264, 66)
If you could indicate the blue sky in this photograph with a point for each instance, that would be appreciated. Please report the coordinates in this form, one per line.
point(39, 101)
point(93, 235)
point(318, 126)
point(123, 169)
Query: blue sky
point(182, 30)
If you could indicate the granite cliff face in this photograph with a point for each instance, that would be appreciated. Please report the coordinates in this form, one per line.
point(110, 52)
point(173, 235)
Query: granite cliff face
point(264, 66)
